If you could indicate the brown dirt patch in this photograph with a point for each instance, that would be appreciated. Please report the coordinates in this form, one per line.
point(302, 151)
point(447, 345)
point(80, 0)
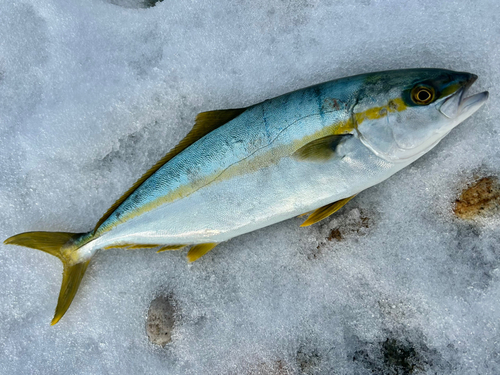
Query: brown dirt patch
point(479, 199)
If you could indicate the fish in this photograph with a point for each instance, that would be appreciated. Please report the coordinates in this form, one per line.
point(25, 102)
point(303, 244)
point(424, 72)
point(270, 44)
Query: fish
point(238, 170)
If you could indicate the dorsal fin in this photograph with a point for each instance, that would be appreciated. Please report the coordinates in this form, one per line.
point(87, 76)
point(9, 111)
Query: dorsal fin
point(204, 124)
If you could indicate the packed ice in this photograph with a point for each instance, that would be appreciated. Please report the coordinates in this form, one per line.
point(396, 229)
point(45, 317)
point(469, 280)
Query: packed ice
point(92, 93)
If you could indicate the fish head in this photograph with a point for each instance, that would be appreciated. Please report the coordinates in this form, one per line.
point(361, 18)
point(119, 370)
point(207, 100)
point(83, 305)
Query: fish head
point(400, 115)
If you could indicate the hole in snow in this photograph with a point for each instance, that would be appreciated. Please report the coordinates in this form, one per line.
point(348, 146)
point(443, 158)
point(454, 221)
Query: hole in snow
point(161, 320)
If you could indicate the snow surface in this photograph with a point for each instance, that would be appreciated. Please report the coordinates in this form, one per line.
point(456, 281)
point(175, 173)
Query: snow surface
point(93, 92)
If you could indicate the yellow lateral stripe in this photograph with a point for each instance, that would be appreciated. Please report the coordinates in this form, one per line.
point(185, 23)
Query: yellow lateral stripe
point(325, 211)
point(394, 105)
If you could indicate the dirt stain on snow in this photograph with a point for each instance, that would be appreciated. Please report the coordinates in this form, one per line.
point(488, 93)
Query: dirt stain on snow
point(480, 198)
point(161, 320)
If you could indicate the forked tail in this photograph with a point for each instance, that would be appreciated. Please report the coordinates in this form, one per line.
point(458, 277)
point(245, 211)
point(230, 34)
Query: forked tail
point(62, 245)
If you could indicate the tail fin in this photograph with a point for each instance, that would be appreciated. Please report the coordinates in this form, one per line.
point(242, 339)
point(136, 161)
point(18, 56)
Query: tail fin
point(61, 245)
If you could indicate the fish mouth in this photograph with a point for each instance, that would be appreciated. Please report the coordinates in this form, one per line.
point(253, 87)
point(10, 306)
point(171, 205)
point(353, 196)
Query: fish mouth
point(459, 105)
point(472, 103)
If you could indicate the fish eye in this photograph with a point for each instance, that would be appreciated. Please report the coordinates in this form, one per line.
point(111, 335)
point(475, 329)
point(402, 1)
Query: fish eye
point(422, 95)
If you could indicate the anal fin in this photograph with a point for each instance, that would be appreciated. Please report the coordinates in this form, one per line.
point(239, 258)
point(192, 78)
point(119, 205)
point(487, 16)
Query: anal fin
point(117, 246)
point(171, 247)
point(131, 246)
point(142, 246)
point(197, 251)
point(325, 211)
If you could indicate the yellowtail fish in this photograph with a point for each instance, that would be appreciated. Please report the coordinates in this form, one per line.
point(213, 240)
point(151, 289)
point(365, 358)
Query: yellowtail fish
point(242, 169)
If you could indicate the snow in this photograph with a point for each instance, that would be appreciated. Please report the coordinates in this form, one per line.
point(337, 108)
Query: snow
point(93, 93)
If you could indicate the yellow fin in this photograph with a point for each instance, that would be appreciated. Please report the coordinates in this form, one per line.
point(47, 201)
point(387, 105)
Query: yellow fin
point(325, 211)
point(320, 149)
point(132, 246)
point(142, 246)
point(72, 276)
point(204, 124)
point(197, 251)
point(207, 121)
point(49, 242)
point(60, 245)
point(117, 246)
point(171, 247)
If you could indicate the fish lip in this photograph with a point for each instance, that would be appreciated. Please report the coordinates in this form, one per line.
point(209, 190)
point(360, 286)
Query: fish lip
point(472, 102)
point(459, 103)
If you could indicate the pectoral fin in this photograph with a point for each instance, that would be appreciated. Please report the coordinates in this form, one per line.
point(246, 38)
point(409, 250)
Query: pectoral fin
point(197, 251)
point(320, 149)
point(325, 211)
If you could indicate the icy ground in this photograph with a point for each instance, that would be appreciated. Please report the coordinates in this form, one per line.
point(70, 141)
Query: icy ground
point(93, 92)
